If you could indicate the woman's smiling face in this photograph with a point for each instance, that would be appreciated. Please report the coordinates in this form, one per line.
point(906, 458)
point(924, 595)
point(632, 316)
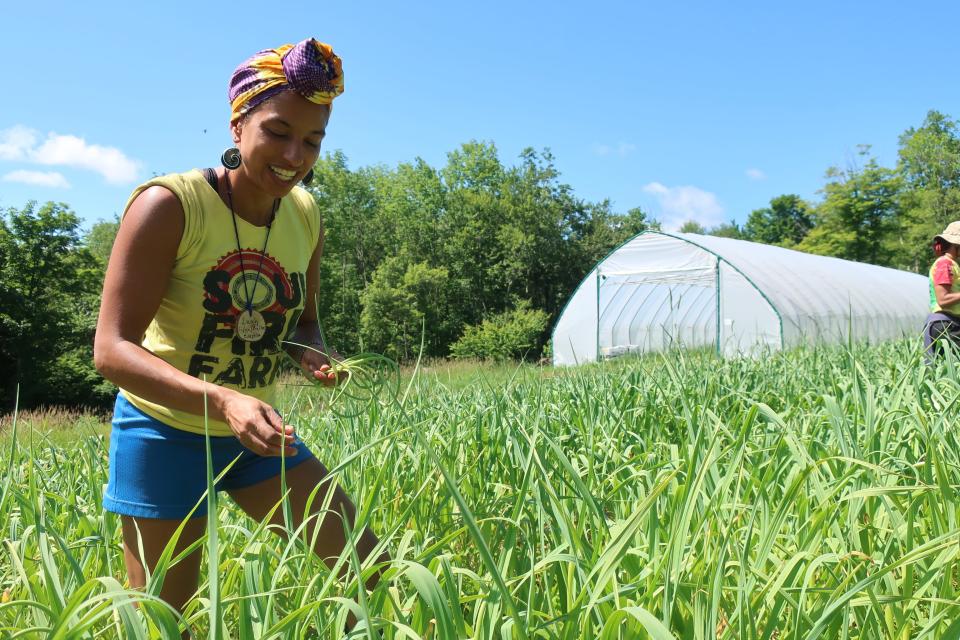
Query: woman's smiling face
point(280, 141)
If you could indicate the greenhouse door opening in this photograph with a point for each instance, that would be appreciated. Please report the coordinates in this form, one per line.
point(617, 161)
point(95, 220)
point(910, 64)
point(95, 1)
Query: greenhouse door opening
point(656, 311)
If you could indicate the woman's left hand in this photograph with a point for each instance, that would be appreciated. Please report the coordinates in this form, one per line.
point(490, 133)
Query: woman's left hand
point(319, 366)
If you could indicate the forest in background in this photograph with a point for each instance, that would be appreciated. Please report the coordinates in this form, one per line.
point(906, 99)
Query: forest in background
point(472, 259)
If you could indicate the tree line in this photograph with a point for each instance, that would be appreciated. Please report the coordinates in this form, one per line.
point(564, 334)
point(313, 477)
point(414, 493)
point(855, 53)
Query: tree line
point(475, 258)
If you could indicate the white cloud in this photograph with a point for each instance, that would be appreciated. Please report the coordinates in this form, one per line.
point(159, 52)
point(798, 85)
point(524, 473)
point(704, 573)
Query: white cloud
point(756, 174)
point(681, 204)
point(621, 149)
point(16, 142)
point(40, 178)
point(72, 151)
point(20, 143)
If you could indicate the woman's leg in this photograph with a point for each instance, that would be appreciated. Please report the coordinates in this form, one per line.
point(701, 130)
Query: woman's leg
point(258, 499)
point(180, 582)
point(937, 333)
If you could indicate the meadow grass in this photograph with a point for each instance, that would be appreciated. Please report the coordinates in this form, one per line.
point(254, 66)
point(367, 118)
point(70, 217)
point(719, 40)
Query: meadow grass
point(60, 425)
point(805, 494)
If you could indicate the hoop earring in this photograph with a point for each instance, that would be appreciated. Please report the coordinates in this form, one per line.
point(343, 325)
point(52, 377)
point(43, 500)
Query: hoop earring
point(307, 179)
point(231, 158)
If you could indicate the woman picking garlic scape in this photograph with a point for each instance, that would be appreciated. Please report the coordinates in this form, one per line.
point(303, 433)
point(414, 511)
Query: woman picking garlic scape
point(212, 270)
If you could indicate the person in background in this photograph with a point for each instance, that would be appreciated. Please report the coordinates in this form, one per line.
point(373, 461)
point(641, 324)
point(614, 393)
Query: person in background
point(213, 273)
point(943, 323)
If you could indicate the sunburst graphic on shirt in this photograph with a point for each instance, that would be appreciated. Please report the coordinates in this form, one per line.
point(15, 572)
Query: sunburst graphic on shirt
point(263, 280)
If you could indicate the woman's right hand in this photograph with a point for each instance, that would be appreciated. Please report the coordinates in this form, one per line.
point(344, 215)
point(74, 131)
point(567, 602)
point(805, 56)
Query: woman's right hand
point(257, 425)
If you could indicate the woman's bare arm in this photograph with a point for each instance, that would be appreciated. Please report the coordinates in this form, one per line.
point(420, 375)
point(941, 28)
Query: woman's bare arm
point(944, 297)
point(313, 361)
point(137, 276)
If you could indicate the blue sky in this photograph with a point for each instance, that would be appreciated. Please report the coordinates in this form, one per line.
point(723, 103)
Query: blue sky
point(699, 111)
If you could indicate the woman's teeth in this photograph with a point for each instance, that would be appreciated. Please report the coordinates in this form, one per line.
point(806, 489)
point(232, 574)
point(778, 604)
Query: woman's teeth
point(283, 174)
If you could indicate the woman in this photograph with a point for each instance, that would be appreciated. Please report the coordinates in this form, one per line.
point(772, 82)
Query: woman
point(943, 323)
point(211, 272)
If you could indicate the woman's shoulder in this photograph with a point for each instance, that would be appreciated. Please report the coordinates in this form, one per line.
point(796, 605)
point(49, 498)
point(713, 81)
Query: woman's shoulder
point(308, 210)
point(155, 202)
point(174, 199)
point(304, 200)
point(944, 269)
point(186, 191)
point(177, 182)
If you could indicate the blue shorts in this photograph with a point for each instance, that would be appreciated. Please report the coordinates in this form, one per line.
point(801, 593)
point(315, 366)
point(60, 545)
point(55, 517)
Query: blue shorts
point(157, 471)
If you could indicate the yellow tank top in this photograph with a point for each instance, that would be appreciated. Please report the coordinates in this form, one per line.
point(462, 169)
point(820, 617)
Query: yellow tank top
point(193, 329)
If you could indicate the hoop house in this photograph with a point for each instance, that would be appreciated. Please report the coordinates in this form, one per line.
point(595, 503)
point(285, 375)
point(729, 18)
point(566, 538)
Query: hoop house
point(664, 290)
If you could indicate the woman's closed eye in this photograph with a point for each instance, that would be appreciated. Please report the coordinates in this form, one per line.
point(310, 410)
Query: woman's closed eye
point(283, 136)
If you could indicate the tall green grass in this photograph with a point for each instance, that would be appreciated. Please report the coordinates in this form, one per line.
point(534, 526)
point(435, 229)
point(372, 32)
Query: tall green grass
point(807, 494)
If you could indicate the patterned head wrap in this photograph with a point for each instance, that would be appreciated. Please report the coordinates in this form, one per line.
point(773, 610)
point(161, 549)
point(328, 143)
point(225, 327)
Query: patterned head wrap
point(310, 68)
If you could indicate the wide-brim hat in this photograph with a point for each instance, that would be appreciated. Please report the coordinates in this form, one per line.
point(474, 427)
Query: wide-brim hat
point(951, 234)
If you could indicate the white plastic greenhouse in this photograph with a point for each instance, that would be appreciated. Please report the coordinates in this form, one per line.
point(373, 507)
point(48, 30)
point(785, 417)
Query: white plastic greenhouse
point(665, 290)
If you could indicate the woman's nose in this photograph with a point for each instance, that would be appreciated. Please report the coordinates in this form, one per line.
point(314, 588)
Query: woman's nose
point(294, 155)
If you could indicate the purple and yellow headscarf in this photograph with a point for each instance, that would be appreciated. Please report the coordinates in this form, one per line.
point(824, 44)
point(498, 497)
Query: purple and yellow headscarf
point(310, 68)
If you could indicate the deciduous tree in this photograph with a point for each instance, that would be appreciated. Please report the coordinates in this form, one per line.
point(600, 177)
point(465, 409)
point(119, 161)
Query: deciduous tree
point(858, 216)
point(786, 222)
point(49, 284)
